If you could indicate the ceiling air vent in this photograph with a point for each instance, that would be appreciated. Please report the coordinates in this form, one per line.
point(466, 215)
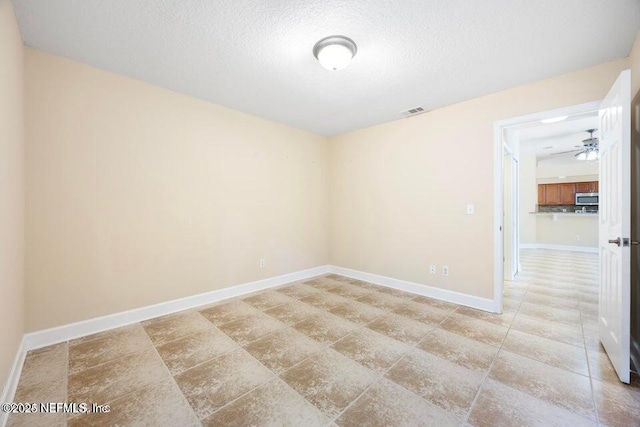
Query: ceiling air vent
point(413, 111)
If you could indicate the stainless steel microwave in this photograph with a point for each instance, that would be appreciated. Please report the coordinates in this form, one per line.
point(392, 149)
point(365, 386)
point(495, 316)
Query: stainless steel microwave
point(586, 199)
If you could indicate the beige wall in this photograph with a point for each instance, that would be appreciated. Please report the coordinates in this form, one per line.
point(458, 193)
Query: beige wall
point(574, 178)
point(138, 195)
point(567, 230)
point(399, 190)
point(11, 189)
point(571, 170)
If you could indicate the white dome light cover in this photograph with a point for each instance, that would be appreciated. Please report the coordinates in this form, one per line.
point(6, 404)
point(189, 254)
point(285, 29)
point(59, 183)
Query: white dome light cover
point(335, 52)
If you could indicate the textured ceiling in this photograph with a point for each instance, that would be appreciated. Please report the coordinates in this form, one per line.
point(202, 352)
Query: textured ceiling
point(546, 140)
point(255, 56)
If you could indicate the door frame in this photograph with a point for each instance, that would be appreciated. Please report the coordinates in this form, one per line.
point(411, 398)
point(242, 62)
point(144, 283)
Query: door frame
point(498, 185)
point(511, 212)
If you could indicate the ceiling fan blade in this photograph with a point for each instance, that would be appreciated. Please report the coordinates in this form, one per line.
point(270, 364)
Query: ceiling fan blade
point(566, 152)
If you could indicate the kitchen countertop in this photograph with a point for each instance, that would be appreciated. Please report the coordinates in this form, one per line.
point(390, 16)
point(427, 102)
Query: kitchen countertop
point(566, 213)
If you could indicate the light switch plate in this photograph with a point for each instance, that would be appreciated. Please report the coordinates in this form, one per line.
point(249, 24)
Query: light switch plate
point(471, 209)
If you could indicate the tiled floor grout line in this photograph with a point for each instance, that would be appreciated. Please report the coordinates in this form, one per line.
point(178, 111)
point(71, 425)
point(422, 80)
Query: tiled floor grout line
point(108, 361)
point(290, 326)
point(110, 402)
point(382, 375)
point(326, 346)
point(175, 383)
point(360, 327)
point(238, 345)
point(586, 353)
point(477, 396)
point(273, 376)
point(135, 390)
point(522, 299)
point(66, 384)
point(184, 336)
point(585, 348)
point(412, 347)
point(209, 360)
point(287, 326)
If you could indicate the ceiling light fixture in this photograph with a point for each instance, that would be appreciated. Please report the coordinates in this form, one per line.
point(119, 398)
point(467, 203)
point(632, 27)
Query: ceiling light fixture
point(335, 52)
point(554, 119)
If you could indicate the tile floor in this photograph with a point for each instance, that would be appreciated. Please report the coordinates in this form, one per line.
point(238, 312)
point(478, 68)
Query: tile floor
point(335, 351)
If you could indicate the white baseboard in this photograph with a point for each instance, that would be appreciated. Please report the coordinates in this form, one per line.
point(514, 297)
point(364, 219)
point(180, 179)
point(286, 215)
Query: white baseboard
point(558, 247)
point(10, 387)
point(71, 331)
point(416, 288)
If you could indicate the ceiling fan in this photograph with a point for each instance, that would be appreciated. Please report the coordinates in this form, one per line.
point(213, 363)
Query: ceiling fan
point(588, 150)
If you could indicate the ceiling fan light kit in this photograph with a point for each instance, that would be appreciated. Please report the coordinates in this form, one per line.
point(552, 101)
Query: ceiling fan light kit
point(590, 151)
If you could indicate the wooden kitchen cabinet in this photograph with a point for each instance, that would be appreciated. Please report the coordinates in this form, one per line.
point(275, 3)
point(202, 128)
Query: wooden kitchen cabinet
point(567, 193)
point(541, 194)
point(564, 193)
point(587, 187)
point(551, 194)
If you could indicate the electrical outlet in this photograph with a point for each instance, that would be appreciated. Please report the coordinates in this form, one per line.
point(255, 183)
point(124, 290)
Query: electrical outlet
point(471, 209)
point(577, 237)
point(445, 270)
point(263, 263)
point(432, 269)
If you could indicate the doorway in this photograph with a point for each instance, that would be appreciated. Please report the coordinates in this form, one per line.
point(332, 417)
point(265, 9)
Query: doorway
point(611, 308)
point(504, 230)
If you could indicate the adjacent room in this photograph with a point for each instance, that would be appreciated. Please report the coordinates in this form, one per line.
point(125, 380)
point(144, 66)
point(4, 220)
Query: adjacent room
point(319, 213)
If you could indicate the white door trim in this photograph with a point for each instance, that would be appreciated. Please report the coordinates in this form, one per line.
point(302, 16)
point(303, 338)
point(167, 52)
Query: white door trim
point(511, 212)
point(498, 181)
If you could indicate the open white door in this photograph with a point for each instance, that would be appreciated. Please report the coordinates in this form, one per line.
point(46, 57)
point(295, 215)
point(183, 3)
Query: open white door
point(615, 227)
